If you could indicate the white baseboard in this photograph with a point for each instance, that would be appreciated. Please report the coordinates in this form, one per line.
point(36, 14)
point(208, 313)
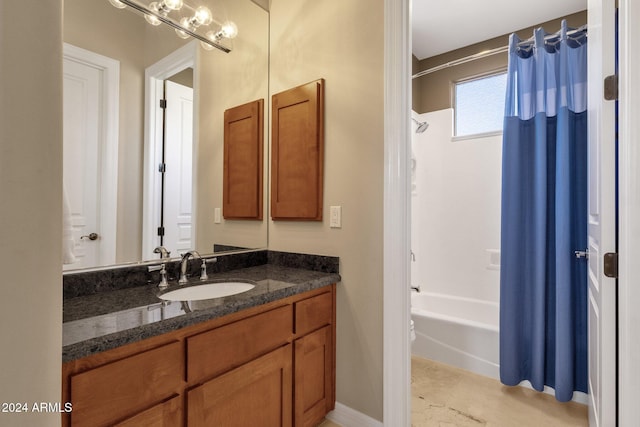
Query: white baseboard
point(348, 417)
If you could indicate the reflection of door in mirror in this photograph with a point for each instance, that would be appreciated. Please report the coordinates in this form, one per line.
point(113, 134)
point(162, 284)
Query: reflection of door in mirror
point(168, 153)
point(90, 95)
point(178, 171)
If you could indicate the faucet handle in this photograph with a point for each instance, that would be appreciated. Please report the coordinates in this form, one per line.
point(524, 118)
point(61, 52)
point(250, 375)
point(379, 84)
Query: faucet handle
point(163, 274)
point(203, 267)
point(203, 270)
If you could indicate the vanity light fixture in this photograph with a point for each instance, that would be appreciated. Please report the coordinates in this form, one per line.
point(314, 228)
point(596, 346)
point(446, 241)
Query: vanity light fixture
point(165, 11)
point(228, 30)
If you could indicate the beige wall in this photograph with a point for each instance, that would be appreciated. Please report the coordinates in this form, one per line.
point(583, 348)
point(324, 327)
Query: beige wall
point(227, 80)
point(311, 40)
point(31, 208)
point(432, 92)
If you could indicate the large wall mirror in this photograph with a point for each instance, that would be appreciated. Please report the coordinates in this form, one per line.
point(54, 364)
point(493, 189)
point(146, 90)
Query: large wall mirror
point(117, 67)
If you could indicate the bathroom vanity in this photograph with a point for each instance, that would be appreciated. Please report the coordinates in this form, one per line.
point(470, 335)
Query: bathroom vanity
point(265, 357)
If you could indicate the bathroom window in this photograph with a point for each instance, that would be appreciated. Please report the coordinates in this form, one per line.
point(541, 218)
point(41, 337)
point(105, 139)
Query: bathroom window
point(479, 105)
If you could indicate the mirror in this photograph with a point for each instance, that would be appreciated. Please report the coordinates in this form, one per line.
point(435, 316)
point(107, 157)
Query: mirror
point(128, 184)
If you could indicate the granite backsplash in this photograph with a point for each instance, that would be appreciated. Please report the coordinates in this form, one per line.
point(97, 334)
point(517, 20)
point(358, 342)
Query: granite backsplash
point(84, 283)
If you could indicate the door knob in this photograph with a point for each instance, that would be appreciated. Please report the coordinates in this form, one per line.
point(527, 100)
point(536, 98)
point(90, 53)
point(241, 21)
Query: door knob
point(92, 236)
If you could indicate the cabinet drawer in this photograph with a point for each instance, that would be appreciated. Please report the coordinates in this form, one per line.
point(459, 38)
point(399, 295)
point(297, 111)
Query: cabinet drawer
point(313, 313)
point(216, 351)
point(119, 389)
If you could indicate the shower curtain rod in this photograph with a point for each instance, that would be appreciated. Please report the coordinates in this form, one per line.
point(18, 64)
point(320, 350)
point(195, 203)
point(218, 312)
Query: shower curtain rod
point(484, 54)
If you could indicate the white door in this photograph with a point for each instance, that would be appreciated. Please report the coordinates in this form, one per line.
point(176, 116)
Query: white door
point(602, 216)
point(179, 171)
point(90, 153)
point(81, 137)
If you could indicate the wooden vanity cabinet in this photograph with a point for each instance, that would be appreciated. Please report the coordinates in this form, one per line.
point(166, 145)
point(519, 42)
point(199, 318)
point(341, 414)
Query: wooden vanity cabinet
point(272, 365)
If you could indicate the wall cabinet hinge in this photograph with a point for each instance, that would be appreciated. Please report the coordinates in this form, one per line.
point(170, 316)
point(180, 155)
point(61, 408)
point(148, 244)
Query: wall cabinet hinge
point(163, 103)
point(162, 167)
point(611, 87)
point(160, 231)
point(611, 265)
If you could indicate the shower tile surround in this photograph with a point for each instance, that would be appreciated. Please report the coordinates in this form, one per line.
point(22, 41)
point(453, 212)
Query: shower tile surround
point(109, 308)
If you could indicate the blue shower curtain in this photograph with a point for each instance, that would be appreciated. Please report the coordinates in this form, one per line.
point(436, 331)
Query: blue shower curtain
point(543, 285)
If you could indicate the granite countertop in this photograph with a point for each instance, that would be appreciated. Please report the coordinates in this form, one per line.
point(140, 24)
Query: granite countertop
point(106, 320)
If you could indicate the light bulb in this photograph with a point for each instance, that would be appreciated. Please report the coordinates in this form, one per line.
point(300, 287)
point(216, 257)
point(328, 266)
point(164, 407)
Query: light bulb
point(188, 24)
point(206, 46)
point(229, 30)
point(151, 19)
point(203, 15)
point(185, 23)
point(173, 4)
point(118, 4)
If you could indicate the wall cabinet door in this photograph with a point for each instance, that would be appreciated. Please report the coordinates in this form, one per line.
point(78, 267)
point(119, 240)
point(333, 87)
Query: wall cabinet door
point(258, 393)
point(313, 382)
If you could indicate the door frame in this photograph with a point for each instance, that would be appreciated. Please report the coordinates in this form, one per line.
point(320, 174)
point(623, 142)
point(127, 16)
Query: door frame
point(629, 213)
point(180, 59)
point(397, 214)
point(396, 309)
point(108, 151)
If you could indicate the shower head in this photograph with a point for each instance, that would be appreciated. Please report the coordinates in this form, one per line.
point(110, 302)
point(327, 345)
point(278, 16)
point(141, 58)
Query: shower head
point(422, 126)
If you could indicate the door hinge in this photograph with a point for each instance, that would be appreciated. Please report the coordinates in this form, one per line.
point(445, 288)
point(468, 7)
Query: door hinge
point(611, 265)
point(611, 87)
point(160, 231)
point(162, 167)
point(163, 103)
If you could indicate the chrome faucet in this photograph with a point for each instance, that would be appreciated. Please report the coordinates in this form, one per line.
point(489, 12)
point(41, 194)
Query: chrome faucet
point(164, 253)
point(184, 263)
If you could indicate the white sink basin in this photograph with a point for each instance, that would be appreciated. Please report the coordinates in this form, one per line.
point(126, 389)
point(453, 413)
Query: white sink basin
point(207, 291)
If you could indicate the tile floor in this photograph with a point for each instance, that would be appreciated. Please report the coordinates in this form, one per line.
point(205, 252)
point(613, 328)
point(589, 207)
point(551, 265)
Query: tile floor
point(445, 396)
point(327, 423)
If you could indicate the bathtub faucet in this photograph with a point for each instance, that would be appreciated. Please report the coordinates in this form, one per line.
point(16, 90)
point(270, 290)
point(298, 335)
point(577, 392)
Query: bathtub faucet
point(415, 288)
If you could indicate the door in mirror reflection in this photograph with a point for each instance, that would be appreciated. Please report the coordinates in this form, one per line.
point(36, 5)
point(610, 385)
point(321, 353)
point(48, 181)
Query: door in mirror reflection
point(178, 175)
point(86, 117)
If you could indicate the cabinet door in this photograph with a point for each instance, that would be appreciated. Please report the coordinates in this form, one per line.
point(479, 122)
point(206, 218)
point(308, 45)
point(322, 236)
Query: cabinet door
point(166, 414)
point(258, 393)
point(313, 359)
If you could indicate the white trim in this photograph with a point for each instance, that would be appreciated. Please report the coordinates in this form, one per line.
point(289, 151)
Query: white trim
point(476, 136)
point(629, 214)
point(180, 59)
point(397, 214)
point(110, 69)
point(348, 417)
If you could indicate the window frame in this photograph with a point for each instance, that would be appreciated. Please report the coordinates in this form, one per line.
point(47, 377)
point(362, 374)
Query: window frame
point(454, 104)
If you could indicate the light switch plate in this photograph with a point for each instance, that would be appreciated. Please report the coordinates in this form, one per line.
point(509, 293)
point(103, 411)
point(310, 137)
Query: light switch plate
point(335, 217)
point(216, 216)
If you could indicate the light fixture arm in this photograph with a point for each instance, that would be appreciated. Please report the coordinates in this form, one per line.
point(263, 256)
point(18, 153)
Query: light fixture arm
point(145, 10)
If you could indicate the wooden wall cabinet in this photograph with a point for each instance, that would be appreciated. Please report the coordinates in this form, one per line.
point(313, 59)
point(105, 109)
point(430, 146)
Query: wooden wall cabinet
point(243, 160)
point(297, 152)
point(272, 365)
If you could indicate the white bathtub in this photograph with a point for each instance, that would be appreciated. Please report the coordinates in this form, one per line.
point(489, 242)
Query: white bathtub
point(457, 331)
